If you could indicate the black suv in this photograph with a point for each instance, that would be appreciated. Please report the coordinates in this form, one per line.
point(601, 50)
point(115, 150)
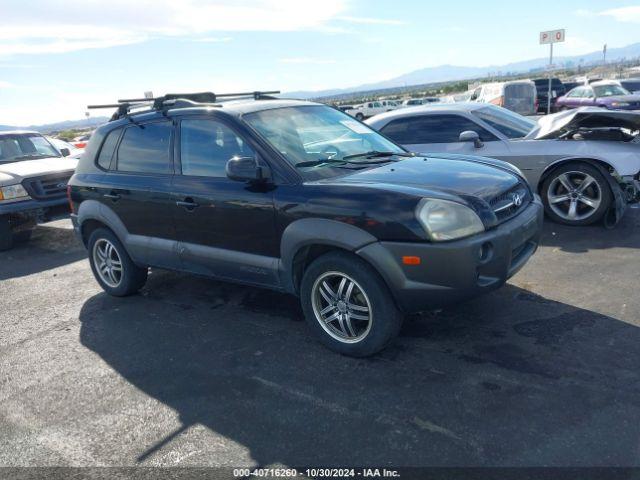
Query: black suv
point(302, 198)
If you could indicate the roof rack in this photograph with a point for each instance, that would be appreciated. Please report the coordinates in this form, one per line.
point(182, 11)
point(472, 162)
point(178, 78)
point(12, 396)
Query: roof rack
point(177, 100)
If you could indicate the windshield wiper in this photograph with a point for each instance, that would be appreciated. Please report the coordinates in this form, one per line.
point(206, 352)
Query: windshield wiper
point(378, 153)
point(320, 161)
point(343, 161)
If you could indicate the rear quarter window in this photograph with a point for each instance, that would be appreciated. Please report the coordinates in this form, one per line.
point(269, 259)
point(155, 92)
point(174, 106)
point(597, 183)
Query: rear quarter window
point(108, 148)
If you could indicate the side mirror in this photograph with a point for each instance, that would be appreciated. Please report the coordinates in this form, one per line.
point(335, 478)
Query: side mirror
point(65, 152)
point(471, 136)
point(247, 169)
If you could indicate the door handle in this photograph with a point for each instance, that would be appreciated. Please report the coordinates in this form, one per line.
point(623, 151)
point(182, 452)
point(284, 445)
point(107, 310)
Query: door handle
point(112, 196)
point(188, 203)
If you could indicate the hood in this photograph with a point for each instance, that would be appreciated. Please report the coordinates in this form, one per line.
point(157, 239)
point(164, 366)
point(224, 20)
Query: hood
point(16, 172)
point(464, 177)
point(551, 126)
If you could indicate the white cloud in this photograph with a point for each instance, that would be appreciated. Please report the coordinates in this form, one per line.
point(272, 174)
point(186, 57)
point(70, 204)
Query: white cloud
point(370, 21)
point(57, 26)
point(306, 60)
point(623, 14)
point(629, 14)
point(212, 39)
point(4, 84)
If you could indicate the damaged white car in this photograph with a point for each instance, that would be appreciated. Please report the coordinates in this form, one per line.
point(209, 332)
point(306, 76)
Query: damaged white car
point(584, 163)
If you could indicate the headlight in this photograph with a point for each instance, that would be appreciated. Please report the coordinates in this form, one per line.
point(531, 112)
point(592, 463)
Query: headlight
point(445, 220)
point(13, 192)
point(619, 104)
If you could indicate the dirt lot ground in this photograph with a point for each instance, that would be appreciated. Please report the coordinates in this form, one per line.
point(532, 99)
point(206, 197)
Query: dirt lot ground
point(544, 371)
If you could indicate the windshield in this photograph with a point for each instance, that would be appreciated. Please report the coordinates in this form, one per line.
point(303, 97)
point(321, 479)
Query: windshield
point(319, 139)
point(18, 147)
point(609, 90)
point(508, 123)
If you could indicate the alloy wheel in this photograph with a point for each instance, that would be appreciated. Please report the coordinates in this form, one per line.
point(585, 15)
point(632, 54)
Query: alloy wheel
point(342, 307)
point(107, 262)
point(574, 195)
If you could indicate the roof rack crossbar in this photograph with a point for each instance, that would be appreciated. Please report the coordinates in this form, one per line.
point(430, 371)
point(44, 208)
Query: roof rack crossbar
point(177, 100)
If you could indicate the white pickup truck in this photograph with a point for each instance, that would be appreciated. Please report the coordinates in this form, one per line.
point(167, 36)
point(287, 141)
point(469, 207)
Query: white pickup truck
point(370, 109)
point(33, 183)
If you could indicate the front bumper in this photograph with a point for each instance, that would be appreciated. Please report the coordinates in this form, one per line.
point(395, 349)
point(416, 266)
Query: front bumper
point(29, 212)
point(453, 271)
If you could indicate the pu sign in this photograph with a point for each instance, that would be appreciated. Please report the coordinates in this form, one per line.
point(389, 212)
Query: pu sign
point(552, 36)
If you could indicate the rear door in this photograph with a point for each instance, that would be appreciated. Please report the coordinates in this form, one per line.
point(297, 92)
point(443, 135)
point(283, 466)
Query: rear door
point(437, 132)
point(138, 189)
point(225, 228)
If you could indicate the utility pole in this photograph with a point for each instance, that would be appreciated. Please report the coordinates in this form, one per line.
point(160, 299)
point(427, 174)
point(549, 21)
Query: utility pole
point(604, 54)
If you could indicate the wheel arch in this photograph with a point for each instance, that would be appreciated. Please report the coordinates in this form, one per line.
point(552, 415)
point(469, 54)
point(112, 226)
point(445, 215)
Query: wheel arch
point(93, 214)
point(307, 239)
point(600, 164)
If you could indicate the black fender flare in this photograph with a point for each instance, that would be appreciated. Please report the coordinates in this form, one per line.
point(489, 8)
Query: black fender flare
point(94, 210)
point(316, 231)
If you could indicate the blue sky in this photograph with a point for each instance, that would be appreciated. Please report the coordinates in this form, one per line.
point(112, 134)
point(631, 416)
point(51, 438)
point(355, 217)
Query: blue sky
point(56, 56)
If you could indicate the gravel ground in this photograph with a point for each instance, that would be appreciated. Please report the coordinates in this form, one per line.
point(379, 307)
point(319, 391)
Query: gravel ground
point(543, 372)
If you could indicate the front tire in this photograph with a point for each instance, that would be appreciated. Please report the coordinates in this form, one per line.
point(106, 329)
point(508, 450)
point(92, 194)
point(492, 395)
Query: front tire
point(6, 235)
point(576, 194)
point(348, 306)
point(112, 266)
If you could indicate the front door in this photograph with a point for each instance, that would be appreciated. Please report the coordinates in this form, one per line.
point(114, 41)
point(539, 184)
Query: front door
point(225, 228)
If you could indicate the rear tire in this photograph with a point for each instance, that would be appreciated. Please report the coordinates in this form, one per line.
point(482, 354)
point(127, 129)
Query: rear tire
point(348, 306)
point(359, 116)
point(112, 266)
point(6, 235)
point(576, 194)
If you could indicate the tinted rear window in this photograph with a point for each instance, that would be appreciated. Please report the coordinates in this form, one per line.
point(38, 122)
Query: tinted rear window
point(145, 148)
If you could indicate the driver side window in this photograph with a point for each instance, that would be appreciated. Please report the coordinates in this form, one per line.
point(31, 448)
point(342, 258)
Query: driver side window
point(207, 145)
point(433, 129)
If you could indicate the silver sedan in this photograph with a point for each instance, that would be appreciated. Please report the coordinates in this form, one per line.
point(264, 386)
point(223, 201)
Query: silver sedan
point(584, 163)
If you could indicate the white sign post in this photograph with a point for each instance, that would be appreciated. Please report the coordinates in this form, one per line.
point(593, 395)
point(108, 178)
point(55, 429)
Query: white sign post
point(551, 37)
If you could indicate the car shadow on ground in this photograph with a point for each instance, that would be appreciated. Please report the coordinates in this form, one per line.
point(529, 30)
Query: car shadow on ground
point(49, 246)
point(594, 237)
point(510, 378)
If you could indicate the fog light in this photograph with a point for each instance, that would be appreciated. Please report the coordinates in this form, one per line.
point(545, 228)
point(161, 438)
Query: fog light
point(486, 251)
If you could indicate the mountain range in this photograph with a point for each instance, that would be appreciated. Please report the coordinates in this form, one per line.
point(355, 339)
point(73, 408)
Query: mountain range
point(445, 73)
point(59, 126)
point(442, 73)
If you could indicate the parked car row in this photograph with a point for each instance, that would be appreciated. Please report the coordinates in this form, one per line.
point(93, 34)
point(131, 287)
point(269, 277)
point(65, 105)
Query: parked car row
point(370, 109)
point(303, 198)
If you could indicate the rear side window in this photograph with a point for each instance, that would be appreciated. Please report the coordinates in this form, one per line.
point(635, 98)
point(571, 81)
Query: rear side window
point(108, 148)
point(433, 129)
point(145, 148)
point(207, 145)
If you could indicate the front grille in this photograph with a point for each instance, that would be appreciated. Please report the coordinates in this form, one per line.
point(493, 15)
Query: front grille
point(508, 204)
point(48, 186)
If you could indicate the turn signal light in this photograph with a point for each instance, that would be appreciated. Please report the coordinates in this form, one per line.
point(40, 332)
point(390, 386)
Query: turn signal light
point(409, 260)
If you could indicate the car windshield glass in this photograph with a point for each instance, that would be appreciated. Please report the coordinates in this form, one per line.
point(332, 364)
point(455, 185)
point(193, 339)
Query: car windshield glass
point(19, 147)
point(322, 140)
point(632, 86)
point(506, 122)
point(609, 90)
